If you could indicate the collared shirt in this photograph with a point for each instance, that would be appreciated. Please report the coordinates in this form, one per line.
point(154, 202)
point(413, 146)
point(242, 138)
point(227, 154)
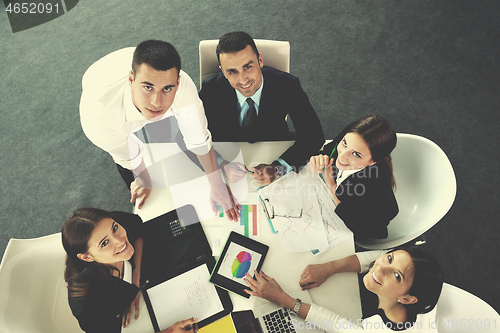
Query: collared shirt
point(109, 117)
point(242, 101)
point(127, 271)
point(343, 174)
point(243, 108)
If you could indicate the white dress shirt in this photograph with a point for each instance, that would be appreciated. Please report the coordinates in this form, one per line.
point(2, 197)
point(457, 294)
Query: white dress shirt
point(344, 174)
point(109, 117)
point(127, 271)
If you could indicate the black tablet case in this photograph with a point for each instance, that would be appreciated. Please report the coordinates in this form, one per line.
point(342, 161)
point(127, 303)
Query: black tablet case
point(166, 256)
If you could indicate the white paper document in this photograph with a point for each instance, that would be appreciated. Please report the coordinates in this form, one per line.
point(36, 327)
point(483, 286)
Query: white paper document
point(302, 210)
point(218, 228)
point(335, 228)
point(185, 296)
point(303, 230)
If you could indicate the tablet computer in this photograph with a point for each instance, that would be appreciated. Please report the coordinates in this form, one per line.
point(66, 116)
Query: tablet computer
point(240, 255)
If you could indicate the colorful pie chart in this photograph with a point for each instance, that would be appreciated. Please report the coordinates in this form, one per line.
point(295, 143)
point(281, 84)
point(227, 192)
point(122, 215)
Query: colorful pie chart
point(241, 264)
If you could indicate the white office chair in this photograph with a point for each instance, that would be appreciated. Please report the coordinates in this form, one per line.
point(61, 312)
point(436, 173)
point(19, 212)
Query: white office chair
point(425, 190)
point(459, 311)
point(275, 54)
point(33, 293)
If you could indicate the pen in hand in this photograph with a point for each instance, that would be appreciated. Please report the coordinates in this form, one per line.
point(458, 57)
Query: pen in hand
point(238, 168)
point(191, 327)
point(194, 326)
point(307, 284)
point(333, 151)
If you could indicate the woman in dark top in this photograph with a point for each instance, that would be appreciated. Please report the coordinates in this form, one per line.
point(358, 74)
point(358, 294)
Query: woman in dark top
point(104, 251)
point(357, 167)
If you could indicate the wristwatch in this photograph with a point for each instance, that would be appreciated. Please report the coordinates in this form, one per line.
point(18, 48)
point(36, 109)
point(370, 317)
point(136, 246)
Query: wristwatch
point(295, 310)
point(280, 169)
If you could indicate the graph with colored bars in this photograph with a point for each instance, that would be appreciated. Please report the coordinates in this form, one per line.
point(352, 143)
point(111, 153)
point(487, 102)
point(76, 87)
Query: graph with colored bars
point(248, 219)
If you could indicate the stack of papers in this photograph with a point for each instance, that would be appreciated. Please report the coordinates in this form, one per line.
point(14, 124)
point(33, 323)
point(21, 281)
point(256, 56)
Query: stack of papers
point(301, 209)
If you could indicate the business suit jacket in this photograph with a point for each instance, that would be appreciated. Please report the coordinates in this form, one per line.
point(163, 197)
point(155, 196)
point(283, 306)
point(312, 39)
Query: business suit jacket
point(100, 311)
point(367, 201)
point(281, 95)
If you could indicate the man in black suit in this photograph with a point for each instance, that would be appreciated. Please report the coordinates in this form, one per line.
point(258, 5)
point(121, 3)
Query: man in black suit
point(249, 102)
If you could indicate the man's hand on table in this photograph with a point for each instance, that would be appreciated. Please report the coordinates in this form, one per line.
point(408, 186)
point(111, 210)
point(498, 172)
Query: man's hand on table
point(221, 194)
point(264, 174)
point(234, 171)
point(138, 191)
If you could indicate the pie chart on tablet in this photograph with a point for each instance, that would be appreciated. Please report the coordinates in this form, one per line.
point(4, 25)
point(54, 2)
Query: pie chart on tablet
point(241, 264)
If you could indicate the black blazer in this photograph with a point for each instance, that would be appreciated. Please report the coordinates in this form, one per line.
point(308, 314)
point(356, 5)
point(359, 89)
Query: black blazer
point(367, 201)
point(100, 311)
point(281, 95)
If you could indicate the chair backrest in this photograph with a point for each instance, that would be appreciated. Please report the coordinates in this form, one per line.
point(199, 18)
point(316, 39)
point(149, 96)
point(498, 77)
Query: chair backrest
point(33, 293)
point(459, 311)
point(275, 54)
point(425, 190)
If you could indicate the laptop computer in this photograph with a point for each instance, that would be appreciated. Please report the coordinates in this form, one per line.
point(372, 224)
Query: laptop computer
point(271, 318)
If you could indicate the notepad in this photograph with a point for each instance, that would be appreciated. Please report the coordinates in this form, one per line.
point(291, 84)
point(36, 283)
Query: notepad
point(224, 325)
point(184, 296)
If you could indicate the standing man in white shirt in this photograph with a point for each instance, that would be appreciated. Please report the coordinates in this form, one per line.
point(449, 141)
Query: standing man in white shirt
point(128, 88)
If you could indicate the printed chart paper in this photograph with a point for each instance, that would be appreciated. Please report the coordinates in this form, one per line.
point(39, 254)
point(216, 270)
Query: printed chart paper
point(248, 221)
point(335, 228)
point(248, 224)
point(303, 212)
point(301, 231)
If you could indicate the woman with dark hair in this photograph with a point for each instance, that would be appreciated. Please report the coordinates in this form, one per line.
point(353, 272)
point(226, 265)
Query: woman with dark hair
point(398, 291)
point(357, 167)
point(103, 261)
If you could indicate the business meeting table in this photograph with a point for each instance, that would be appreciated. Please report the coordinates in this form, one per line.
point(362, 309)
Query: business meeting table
point(177, 181)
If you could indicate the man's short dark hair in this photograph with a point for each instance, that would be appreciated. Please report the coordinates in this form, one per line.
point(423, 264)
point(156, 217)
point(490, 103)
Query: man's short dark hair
point(158, 54)
point(235, 41)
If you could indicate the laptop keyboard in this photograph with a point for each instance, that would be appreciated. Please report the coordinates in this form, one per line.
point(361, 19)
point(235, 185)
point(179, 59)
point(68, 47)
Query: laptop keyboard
point(279, 322)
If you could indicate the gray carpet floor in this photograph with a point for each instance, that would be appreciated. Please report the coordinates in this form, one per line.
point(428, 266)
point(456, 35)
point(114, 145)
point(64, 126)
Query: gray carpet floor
point(430, 67)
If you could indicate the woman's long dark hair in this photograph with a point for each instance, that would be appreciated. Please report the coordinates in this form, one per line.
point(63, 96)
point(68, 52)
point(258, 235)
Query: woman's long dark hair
point(81, 276)
point(427, 279)
point(381, 139)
